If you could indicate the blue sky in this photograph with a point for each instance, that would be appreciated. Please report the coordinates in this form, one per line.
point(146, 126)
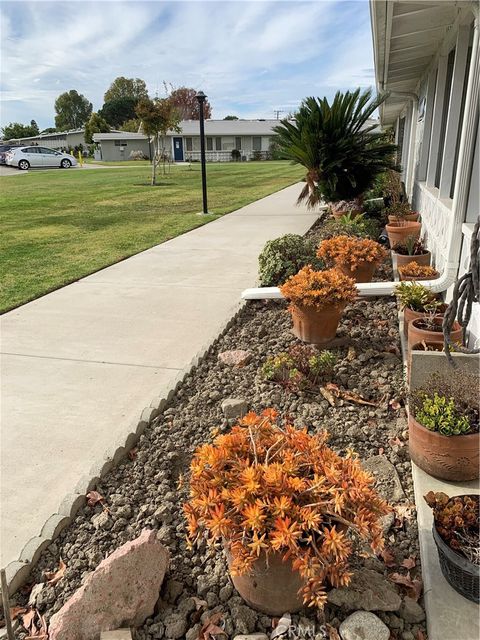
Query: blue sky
point(249, 57)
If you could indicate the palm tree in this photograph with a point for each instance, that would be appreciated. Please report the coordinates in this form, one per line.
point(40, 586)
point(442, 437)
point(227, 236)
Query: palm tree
point(340, 151)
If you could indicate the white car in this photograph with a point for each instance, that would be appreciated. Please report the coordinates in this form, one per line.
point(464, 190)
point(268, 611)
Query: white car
point(26, 157)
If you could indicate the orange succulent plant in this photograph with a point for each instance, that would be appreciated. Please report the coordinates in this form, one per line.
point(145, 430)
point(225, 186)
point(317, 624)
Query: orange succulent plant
point(351, 251)
point(265, 488)
point(415, 270)
point(318, 288)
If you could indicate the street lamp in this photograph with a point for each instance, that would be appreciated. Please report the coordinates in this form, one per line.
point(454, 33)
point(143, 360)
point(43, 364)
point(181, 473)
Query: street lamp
point(201, 97)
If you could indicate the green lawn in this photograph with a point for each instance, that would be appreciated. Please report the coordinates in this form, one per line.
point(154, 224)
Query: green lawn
point(58, 226)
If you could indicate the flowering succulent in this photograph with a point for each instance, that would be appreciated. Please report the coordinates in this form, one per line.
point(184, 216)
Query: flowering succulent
point(319, 288)
point(415, 270)
point(457, 520)
point(265, 488)
point(301, 367)
point(351, 251)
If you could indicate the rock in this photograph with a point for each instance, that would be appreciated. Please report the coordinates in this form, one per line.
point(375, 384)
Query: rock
point(102, 520)
point(368, 590)
point(234, 407)
point(225, 592)
point(173, 589)
point(387, 483)
point(235, 357)
point(123, 589)
point(251, 636)
point(118, 634)
point(193, 633)
point(244, 619)
point(363, 625)
point(175, 626)
point(386, 522)
point(411, 611)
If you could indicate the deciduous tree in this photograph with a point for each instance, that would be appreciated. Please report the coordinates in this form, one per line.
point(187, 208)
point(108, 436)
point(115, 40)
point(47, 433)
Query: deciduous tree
point(230, 118)
point(131, 126)
point(118, 111)
point(123, 87)
point(186, 104)
point(96, 124)
point(158, 116)
point(72, 110)
point(16, 130)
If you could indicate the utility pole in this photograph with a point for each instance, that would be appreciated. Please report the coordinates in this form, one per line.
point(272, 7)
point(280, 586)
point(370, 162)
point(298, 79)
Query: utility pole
point(277, 112)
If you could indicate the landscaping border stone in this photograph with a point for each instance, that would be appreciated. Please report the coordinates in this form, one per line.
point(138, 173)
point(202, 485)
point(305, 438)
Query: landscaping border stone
point(18, 571)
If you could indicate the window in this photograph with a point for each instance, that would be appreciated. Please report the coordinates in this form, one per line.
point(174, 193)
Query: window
point(257, 143)
point(460, 122)
point(49, 152)
point(218, 144)
point(238, 143)
point(443, 124)
point(31, 150)
point(209, 144)
point(120, 144)
point(188, 144)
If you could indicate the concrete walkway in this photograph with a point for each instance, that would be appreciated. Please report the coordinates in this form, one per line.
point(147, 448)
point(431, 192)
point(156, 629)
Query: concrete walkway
point(80, 364)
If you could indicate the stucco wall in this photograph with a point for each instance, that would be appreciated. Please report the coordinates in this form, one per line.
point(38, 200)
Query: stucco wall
point(111, 152)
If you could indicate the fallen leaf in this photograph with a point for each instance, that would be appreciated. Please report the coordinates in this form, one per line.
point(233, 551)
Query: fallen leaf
point(388, 558)
point(352, 354)
point(55, 576)
point(132, 454)
point(381, 451)
point(400, 578)
point(396, 442)
point(36, 589)
point(93, 497)
point(332, 632)
point(421, 635)
point(409, 563)
point(28, 620)
point(328, 396)
point(416, 591)
point(402, 512)
point(211, 629)
point(349, 396)
point(180, 481)
point(199, 604)
point(17, 611)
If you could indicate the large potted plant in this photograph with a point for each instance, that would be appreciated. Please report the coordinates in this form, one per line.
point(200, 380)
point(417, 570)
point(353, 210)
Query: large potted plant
point(417, 301)
point(342, 154)
point(283, 504)
point(415, 271)
point(317, 299)
point(456, 523)
point(411, 251)
point(355, 257)
point(443, 424)
point(400, 212)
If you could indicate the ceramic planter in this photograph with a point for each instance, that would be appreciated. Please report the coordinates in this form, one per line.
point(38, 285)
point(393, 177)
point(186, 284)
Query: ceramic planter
point(316, 325)
point(445, 457)
point(410, 314)
point(398, 232)
point(272, 587)
point(409, 217)
point(363, 273)
point(423, 259)
point(417, 335)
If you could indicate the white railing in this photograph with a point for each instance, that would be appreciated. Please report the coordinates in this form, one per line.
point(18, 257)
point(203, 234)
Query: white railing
point(223, 156)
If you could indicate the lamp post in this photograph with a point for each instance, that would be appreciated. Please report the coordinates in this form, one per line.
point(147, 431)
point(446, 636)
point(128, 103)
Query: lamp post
point(201, 97)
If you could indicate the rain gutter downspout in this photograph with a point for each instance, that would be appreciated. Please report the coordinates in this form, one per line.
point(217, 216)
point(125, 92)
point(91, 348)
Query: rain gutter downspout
point(462, 186)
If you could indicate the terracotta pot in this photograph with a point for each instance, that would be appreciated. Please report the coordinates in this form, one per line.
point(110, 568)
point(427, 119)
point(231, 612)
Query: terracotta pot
point(410, 314)
point(423, 259)
point(416, 334)
point(418, 278)
point(409, 217)
point(424, 346)
point(271, 587)
point(446, 457)
point(398, 232)
point(363, 273)
point(339, 214)
point(316, 325)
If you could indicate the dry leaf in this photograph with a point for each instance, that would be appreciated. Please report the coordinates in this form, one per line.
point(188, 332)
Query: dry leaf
point(28, 620)
point(199, 604)
point(396, 442)
point(349, 396)
point(421, 635)
point(399, 578)
point(36, 589)
point(409, 563)
point(211, 629)
point(388, 558)
point(381, 451)
point(402, 512)
point(328, 396)
point(416, 591)
point(352, 354)
point(332, 632)
point(55, 576)
point(180, 481)
point(132, 454)
point(93, 497)
point(17, 611)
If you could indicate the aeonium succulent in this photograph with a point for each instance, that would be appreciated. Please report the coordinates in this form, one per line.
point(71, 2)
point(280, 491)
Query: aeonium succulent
point(266, 488)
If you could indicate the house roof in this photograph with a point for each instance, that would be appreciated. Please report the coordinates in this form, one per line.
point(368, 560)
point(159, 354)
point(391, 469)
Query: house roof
point(406, 37)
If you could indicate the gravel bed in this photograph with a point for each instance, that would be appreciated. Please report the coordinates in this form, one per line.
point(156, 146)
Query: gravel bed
point(147, 489)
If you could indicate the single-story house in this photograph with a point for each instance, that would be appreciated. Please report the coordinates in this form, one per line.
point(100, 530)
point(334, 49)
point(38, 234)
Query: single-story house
point(427, 58)
point(57, 140)
point(249, 137)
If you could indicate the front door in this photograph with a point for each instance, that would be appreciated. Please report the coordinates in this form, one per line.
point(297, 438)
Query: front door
point(178, 149)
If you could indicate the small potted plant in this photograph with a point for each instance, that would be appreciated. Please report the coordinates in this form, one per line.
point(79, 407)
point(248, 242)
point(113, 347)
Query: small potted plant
point(392, 188)
point(346, 207)
point(414, 271)
point(317, 299)
point(355, 257)
point(284, 506)
point(417, 301)
point(401, 211)
point(443, 427)
point(456, 524)
point(411, 251)
point(429, 329)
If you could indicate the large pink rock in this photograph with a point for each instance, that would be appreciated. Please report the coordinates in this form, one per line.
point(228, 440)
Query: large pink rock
point(122, 591)
point(235, 358)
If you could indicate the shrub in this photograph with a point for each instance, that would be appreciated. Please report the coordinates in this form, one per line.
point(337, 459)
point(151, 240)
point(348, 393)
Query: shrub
point(137, 155)
point(301, 367)
point(415, 270)
point(267, 489)
point(311, 288)
point(416, 297)
point(236, 155)
point(350, 251)
point(285, 256)
point(457, 522)
point(357, 226)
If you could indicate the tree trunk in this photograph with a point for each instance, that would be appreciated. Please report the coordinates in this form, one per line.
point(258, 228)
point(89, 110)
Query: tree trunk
point(154, 163)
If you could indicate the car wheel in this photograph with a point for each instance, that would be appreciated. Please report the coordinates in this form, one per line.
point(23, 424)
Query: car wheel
point(24, 165)
point(65, 163)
